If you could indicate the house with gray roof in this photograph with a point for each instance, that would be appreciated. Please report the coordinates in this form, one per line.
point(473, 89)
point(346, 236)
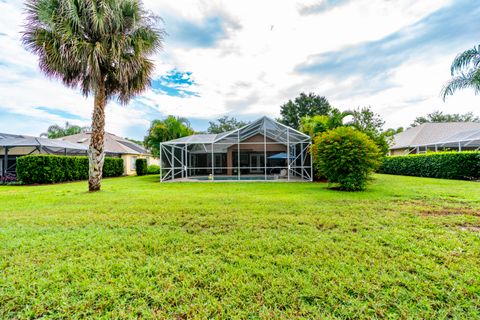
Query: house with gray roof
point(116, 146)
point(13, 146)
point(460, 136)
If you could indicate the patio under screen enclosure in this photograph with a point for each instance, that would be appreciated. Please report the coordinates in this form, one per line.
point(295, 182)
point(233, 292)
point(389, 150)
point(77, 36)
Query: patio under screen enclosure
point(263, 150)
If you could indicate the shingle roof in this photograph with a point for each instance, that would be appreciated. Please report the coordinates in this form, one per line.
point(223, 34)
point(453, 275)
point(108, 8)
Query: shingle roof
point(113, 143)
point(433, 133)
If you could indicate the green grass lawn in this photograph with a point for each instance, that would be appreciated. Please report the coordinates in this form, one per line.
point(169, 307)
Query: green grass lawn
point(405, 248)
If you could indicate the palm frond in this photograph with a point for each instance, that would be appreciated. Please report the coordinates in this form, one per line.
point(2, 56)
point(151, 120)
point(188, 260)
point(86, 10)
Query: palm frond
point(462, 81)
point(92, 43)
point(466, 59)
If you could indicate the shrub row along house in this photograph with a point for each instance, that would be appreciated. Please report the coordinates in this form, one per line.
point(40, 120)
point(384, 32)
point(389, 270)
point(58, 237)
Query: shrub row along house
point(14, 146)
point(427, 137)
point(263, 150)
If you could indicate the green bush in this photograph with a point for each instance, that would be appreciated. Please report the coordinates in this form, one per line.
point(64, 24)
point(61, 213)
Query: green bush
point(113, 167)
point(153, 169)
point(51, 169)
point(141, 167)
point(446, 165)
point(345, 156)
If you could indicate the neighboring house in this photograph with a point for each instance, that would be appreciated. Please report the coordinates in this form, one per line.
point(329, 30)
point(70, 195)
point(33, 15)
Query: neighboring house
point(13, 146)
point(263, 150)
point(116, 146)
point(460, 136)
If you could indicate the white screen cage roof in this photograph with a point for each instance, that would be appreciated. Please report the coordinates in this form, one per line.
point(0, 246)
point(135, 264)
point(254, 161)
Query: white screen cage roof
point(273, 130)
point(463, 139)
point(13, 141)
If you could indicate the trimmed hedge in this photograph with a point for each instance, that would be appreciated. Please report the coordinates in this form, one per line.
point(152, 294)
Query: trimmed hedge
point(446, 165)
point(112, 167)
point(141, 167)
point(51, 168)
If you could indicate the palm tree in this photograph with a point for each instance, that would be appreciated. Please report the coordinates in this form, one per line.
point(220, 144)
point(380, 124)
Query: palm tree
point(99, 46)
point(465, 72)
point(313, 125)
point(164, 130)
point(57, 131)
point(337, 118)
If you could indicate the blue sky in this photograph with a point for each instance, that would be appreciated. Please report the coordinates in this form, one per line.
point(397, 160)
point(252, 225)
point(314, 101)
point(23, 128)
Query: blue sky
point(246, 58)
point(175, 84)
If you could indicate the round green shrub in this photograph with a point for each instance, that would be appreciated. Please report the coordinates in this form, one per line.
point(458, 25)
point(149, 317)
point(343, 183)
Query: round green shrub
point(345, 156)
point(153, 169)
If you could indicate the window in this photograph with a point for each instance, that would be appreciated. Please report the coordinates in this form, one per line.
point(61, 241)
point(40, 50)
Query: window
point(132, 163)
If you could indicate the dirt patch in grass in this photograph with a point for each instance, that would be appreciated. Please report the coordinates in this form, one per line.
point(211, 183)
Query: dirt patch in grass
point(467, 227)
point(440, 208)
point(446, 211)
point(433, 201)
point(326, 226)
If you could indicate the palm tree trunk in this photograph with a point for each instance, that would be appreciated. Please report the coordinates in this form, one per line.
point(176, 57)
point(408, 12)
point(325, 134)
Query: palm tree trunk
point(96, 155)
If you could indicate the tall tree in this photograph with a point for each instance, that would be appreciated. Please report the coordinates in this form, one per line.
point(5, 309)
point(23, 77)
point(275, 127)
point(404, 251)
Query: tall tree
point(57, 131)
point(98, 46)
point(370, 123)
point(438, 116)
point(165, 130)
point(363, 119)
point(303, 105)
point(225, 124)
point(465, 71)
point(390, 132)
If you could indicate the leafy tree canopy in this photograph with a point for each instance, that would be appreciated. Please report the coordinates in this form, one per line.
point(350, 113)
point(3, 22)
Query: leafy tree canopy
point(390, 132)
point(164, 130)
point(96, 46)
point(225, 124)
point(438, 116)
point(363, 119)
point(303, 105)
point(370, 123)
point(57, 131)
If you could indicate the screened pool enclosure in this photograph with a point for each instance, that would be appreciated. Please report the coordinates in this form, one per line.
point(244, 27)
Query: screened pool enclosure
point(468, 140)
point(263, 150)
point(13, 146)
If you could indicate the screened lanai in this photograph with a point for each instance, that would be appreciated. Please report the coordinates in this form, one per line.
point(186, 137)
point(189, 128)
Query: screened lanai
point(13, 146)
point(263, 150)
point(462, 141)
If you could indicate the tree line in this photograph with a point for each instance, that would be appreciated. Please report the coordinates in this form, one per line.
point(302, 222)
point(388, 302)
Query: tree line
point(309, 113)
